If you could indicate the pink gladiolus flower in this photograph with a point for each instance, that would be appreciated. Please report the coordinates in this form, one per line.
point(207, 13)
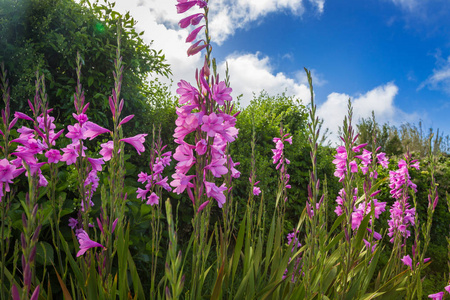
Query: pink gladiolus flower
point(221, 93)
point(216, 192)
point(153, 199)
point(93, 130)
point(201, 147)
point(70, 154)
point(191, 20)
point(126, 119)
point(256, 191)
point(184, 154)
point(382, 160)
point(193, 35)
point(407, 261)
point(76, 132)
point(202, 206)
point(107, 150)
point(217, 168)
point(137, 142)
point(6, 171)
point(141, 194)
point(188, 93)
point(53, 155)
point(181, 182)
point(23, 116)
point(447, 288)
point(212, 124)
point(96, 163)
point(85, 242)
point(195, 48)
point(185, 6)
point(73, 223)
point(437, 296)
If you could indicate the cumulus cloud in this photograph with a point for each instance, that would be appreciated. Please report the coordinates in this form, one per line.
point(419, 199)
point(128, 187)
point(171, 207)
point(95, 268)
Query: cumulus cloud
point(229, 15)
point(252, 73)
point(440, 79)
point(380, 100)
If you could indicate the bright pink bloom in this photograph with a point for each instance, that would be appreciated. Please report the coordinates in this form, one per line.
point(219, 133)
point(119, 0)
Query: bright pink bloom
point(447, 288)
point(196, 48)
point(53, 155)
point(6, 171)
point(181, 182)
point(212, 124)
point(96, 163)
point(23, 116)
point(153, 199)
point(437, 296)
point(85, 242)
point(163, 183)
point(93, 130)
point(141, 194)
point(191, 20)
point(217, 168)
point(70, 154)
point(382, 160)
point(256, 191)
point(188, 93)
point(126, 119)
point(407, 261)
point(201, 147)
point(107, 150)
point(216, 192)
point(76, 132)
point(193, 35)
point(137, 142)
point(81, 118)
point(221, 93)
point(184, 154)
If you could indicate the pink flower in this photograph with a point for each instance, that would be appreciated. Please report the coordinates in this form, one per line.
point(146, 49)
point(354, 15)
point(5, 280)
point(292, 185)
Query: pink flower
point(195, 48)
point(217, 168)
point(53, 155)
point(70, 154)
point(437, 296)
point(181, 182)
point(73, 223)
point(256, 191)
point(85, 242)
point(216, 192)
point(93, 130)
point(201, 147)
point(382, 159)
point(76, 132)
point(407, 261)
point(212, 124)
point(188, 93)
point(191, 20)
point(193, 35)
point(184, 154)
point(221, 93)
point(153, 199)
point(96, 163)
point(137, 142)
point(107, 150)
point(6, 171)
point(141, 194)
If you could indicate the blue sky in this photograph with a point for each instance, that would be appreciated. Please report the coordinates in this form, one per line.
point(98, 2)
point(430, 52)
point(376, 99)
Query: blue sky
point(390, 56)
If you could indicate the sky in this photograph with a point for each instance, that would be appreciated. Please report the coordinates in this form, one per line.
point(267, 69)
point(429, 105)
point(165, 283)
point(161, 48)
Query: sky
point(388, 56)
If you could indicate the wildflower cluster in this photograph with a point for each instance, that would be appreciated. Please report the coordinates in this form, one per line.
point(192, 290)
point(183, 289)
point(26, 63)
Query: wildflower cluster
point(205, 112)
point(280, 160)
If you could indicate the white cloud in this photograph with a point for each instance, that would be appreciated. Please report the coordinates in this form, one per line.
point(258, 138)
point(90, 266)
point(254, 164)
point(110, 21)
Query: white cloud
point(406, 4)
point(252, 73)
point(440, 79)
point(380, 100)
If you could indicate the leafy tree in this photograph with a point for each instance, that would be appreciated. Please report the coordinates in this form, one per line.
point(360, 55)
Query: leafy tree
point(46, 35)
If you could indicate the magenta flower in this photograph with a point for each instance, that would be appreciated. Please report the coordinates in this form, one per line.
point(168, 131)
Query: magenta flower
point(137, 142)
point(85, 242)
point(191, 20)
point(93, 130)
point(76, 132)
point(221, 93)
point(153, 199)
point(196, 48)
point(107, 150)
point(96, 163)
point(212, 124)
point(193, 35)
point(217, 168)
point(73, 223)
point(6, 171)
point(53, 155)
point(437, 296)
point(181, 182)
point(216, 192)
point(407, 261)
point(70, 154)
point(184, 154)
point(256, 191)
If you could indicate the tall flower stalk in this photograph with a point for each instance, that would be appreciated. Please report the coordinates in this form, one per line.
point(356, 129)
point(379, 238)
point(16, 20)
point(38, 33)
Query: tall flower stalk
point(205, 116)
